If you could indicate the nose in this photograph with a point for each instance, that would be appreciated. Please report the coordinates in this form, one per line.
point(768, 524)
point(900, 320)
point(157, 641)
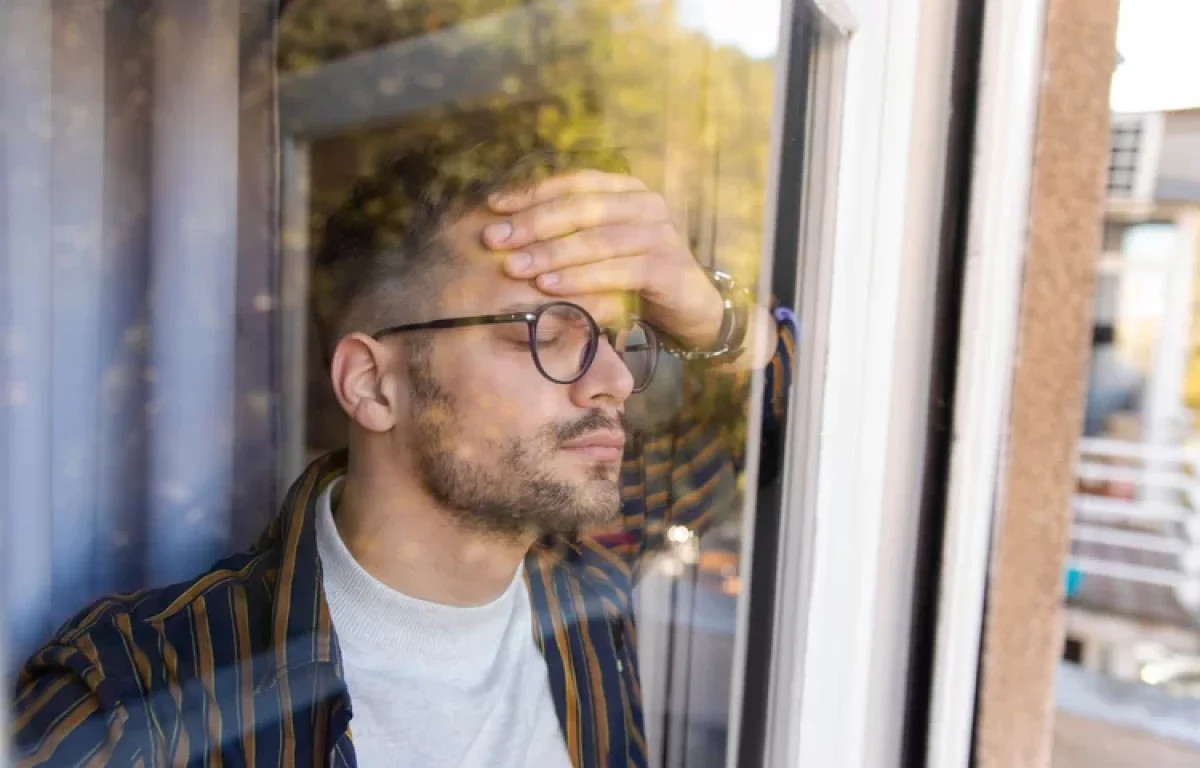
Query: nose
point(607, 382)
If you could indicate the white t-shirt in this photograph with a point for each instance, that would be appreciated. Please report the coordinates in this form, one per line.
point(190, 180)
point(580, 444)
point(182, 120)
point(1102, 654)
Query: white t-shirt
point(438, 686)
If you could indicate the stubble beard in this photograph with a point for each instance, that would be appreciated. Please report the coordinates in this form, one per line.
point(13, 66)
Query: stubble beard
point(517, 495)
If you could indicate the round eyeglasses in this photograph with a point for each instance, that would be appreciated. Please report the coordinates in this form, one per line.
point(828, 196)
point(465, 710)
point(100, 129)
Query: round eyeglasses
point(563, 339)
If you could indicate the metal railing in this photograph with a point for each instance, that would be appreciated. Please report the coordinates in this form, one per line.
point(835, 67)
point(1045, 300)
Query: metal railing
point(1141, 504)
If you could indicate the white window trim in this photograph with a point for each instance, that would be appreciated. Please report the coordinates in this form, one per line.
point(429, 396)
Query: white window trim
point(831, 688)
point(851, 630)
point(796, 540)
point(1148, 171)
point(996, 240)
point(839, 13)
point(849, 635)
point(818, 209)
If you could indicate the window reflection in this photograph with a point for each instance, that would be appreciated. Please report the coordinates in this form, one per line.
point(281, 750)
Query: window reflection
point(657, 81)
point(166, 185)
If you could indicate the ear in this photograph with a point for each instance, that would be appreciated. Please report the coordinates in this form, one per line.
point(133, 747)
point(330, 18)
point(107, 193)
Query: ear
point(363, 383)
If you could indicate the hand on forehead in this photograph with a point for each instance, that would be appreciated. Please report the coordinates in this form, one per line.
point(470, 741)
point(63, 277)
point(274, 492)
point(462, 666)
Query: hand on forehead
point(591, 234)
point(481, 285)
point(577, 232)
point(571, 237)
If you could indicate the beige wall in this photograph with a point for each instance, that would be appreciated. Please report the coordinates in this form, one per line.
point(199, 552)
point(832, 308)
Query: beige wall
point(1022, 633)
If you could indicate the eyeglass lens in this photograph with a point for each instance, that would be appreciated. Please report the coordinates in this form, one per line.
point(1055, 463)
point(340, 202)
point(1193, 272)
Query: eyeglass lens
point(565, 339)
point(638, 347)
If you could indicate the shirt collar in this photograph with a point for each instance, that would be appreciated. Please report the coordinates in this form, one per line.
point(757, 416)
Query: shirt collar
point(301, 629)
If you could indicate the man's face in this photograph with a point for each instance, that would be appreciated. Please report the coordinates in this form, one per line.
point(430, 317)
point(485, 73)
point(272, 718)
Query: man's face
point(493, 439)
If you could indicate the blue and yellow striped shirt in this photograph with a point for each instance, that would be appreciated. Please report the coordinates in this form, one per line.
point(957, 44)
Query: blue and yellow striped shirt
point(242, 666)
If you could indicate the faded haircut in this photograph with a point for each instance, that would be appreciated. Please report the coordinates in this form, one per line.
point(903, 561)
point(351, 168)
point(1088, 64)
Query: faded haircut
point(382, 259)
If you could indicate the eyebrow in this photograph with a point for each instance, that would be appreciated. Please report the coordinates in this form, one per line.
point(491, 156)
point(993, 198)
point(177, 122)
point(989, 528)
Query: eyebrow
point(523, 306)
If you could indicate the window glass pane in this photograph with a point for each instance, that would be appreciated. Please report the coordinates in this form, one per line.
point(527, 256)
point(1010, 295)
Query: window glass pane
point(219, 221)
point(686, 97)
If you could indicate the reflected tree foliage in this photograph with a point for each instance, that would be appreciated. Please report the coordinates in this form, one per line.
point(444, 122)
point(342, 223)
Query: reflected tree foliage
point(691, 117)
point(116, 149)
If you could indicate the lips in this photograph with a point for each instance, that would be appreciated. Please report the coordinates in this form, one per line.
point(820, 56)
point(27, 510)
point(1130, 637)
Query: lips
point(604, 445)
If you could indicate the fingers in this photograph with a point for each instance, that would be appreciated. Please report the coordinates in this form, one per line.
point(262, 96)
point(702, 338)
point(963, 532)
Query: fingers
point(586, 246)
point(629, 273)
point(591, 233)
point(577, 182)
point(565, 215)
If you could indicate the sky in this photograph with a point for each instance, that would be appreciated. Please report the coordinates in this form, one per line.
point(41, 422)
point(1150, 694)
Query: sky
point(752, 25)
point(1159, 39)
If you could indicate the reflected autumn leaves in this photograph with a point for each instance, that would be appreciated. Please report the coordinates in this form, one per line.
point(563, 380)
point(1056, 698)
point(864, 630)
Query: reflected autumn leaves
point(609, 77)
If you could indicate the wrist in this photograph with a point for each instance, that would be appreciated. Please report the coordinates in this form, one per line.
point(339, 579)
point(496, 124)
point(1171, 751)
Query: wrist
point(717, 330)
point(758, 346)
point(705, 332)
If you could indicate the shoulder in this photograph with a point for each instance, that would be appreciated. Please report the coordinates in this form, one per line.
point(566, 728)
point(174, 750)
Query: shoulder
point(128, 652)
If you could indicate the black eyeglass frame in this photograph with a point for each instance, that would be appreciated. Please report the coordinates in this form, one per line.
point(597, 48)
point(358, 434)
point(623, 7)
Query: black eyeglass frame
point(530, 318)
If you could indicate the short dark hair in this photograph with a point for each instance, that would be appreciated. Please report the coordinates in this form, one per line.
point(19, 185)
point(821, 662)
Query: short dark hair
point(381, 256)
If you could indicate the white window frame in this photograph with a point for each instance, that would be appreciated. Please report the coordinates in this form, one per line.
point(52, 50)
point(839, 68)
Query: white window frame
point(848, 609)
point(1149, 151)
point(821, 144)
point(851, 630)
point(831, 690)
point(999, 211)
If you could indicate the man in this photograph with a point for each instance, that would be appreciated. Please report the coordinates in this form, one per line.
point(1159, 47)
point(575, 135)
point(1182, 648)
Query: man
point(474, 309)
